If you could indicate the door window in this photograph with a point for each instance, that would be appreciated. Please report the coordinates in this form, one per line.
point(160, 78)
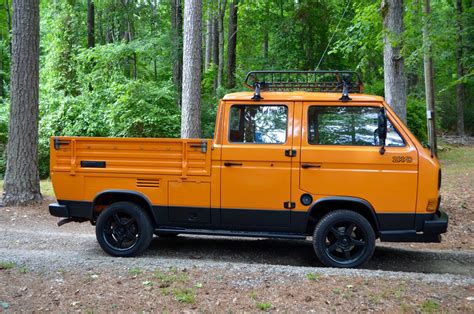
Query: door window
point(344, 125)
point(264, 124)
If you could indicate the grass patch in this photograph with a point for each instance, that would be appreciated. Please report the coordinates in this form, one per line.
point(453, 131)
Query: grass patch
point(135, 271)
point(185, 295)
point(313, 276)
point(23, 269)
point(264, 306)
point(46, 187)
point(170, 277)
point(457, 157)
point(430, 306)
point(7, 265)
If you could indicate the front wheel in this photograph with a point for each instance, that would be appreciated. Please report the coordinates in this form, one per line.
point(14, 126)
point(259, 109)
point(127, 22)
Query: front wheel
point(344, 238)
point(124, 229)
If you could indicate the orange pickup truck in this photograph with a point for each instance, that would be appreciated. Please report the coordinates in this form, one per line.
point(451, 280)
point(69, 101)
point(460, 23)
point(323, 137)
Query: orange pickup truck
point(305, 154)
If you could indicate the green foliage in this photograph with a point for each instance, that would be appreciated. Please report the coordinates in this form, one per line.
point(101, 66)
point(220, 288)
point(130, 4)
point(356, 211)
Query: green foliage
point(187, 296)
point(430, 306)
point(123, 87)
point(416, 118)
point(6, 265)
point(264, 306)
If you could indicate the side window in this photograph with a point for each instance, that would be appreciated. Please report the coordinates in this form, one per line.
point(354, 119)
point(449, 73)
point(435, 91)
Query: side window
point(266, 124)
point(344, 125)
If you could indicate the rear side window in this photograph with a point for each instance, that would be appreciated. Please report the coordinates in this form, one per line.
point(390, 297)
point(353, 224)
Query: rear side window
point(344, 125)
point(265, 124)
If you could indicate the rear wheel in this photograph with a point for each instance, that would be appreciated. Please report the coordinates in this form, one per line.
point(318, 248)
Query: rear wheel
point(124, 229)
point(344, 238)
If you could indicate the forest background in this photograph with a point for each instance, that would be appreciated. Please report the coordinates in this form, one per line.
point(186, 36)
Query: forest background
point(114, 67)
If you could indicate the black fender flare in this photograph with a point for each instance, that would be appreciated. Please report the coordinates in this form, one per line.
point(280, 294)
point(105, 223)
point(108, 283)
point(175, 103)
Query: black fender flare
point(360, 201)
point(126, 192)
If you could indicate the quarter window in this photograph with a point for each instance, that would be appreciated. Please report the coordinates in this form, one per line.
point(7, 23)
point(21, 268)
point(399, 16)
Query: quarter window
point(344, 125)
point(265, 124)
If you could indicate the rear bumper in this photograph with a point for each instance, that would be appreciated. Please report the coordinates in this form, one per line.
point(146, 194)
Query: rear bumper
point(429, 230)
point(58, 210)
point(71, 209)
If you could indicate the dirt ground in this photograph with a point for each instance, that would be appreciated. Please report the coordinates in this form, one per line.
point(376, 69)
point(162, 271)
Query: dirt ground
point(195, 290)
point(46, 268)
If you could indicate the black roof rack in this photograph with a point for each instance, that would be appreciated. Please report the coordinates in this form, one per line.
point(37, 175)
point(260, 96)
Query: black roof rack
point(311, 81)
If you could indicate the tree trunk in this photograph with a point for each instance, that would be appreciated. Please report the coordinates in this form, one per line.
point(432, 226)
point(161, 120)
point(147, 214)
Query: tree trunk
point(177, 50)
point(460, 71)
point(394, 67)
point(215, 41)
point(232, 44)
point(220, 20)
point(429, 74)
point(207, 56)
point(90, 24)
point(191, 107)
point(22, 176)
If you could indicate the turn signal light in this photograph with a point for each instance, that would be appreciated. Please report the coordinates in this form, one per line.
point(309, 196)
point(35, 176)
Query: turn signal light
point(432, 205)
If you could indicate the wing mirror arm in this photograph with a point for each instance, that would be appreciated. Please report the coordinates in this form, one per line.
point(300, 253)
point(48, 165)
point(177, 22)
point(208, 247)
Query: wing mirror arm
point(382, 129)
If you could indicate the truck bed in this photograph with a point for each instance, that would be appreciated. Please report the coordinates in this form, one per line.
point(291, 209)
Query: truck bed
point(151, 156)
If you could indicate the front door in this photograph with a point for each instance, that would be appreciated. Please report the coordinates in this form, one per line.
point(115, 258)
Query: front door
point(256, 166)
point(340, 156)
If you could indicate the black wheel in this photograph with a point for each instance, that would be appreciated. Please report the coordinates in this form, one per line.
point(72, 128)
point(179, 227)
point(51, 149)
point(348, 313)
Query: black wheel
point(344, 238)
point(124, 229)
point(166, 234)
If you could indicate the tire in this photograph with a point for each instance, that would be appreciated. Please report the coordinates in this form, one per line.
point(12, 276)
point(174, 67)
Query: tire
point(124, 229)
point(343, 239)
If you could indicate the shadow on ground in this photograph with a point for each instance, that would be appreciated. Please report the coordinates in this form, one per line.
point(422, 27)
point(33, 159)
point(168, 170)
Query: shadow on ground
point(300, 253)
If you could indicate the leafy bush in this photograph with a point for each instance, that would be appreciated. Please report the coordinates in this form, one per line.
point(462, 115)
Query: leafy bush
point(416, 118)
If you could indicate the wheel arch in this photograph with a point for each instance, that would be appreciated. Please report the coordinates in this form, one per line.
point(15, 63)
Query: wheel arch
point(107, 197)
point(327, 204)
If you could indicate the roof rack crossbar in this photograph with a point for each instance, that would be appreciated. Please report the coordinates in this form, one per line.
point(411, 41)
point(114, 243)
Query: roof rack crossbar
point(312, 81)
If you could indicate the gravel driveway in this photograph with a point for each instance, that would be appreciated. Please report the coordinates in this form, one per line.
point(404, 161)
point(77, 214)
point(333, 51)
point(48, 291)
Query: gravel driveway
point(57, 268)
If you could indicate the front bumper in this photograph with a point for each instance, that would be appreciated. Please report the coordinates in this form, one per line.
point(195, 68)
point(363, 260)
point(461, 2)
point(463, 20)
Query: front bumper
point(429, 229)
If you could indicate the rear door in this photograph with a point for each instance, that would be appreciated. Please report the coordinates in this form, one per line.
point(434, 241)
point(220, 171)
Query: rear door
point(256, 165)
point(340, 157)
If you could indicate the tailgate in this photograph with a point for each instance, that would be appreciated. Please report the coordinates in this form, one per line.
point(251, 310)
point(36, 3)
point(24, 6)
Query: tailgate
point(131, 155)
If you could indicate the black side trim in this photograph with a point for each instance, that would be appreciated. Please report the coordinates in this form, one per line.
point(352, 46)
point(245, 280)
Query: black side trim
point(195, 215)
point(254, 219)
point(92, 164)
point(232, 233)
point(397, 221)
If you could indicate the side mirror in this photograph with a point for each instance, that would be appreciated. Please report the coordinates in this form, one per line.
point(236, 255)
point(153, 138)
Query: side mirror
point(382, 129)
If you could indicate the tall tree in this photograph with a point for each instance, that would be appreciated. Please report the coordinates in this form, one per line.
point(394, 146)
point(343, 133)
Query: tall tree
point(90, 24)
point(393, 62)
point(191, 106)
point(429, 76)
point(220, 28)
point(177, 50)
point(208, 51)
point(460, 70)
point(232, 44)
point(22, 176)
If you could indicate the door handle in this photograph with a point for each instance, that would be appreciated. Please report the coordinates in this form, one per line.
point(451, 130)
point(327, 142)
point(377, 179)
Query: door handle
point(230, 164)
point(307, 166)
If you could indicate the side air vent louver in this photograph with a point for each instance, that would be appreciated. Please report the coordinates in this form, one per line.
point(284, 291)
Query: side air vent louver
point(148, 183)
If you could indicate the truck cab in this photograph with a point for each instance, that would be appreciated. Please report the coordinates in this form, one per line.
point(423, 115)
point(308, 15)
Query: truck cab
point(304, 154)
